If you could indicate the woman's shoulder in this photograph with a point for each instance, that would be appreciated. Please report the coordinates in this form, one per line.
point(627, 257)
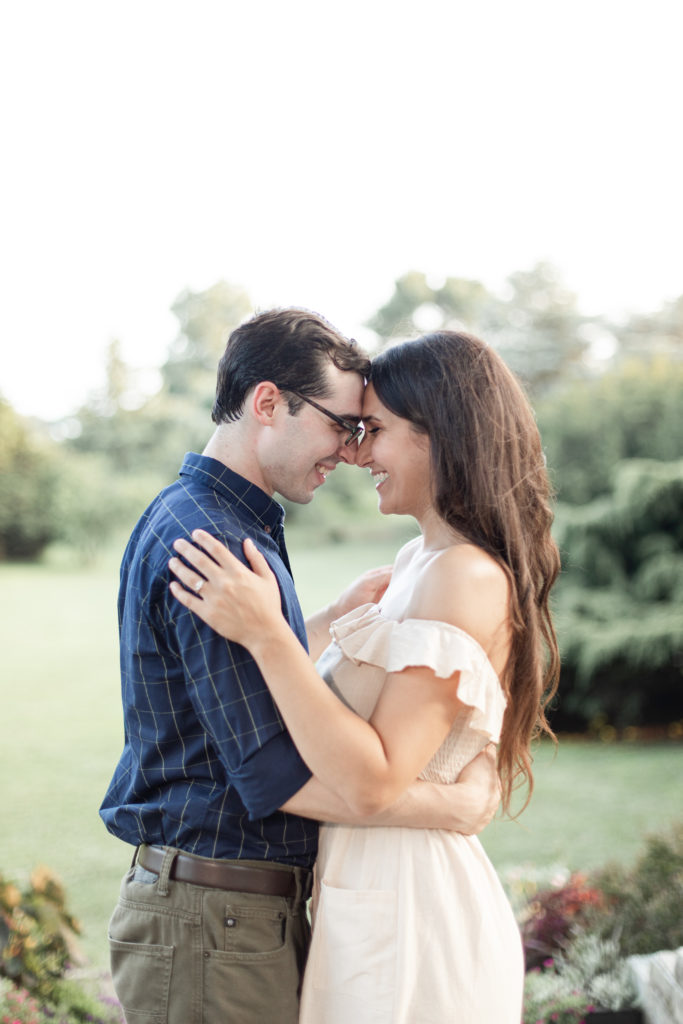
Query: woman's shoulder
point(465, 587)
point(463, 563)
point(468, 564)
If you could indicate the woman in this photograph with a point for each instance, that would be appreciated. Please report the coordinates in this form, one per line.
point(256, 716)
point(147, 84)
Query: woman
point(413, 925)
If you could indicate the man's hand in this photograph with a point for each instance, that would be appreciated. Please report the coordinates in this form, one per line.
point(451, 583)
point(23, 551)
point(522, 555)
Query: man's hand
point(479, 796)
point(466, 806)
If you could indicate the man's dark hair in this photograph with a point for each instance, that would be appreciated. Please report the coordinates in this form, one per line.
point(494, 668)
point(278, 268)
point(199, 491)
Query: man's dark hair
point(291, 348)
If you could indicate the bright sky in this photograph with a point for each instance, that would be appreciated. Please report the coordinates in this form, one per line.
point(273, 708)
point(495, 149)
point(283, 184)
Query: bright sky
point(312, 151)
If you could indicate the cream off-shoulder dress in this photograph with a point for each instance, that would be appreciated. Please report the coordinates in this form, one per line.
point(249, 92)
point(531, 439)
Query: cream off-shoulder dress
point(411, 926)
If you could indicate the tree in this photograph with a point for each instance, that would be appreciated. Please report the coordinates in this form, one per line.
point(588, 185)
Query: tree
point(620, 601)
point(648, 335)
point(206, 319)
point(631, 411)
point(30, 471)
point(536, 326)
point(416, 307)
point(541, 333)
point(613, 445)
point(93, 502)
point(151, 438)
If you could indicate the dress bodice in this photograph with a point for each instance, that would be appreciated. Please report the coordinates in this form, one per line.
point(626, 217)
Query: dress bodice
point(367, 645)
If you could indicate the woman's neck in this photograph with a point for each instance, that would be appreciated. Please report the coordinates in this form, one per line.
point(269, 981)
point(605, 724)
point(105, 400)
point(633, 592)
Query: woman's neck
point(436, 533)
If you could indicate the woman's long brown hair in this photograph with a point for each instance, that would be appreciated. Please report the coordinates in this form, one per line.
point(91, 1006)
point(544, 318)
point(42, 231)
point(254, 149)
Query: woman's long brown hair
point(492, 488)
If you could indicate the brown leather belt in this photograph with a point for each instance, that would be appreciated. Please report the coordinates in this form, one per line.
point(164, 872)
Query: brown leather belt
point(223, 875)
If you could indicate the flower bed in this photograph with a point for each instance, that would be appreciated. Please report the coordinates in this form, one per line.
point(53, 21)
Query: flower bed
point(579, 931)
point(37, 952)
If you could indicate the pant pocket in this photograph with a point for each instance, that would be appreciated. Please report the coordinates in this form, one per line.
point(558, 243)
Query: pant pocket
point(254, 929)
point(252, 988)
point(353, 954)
point(142, 980)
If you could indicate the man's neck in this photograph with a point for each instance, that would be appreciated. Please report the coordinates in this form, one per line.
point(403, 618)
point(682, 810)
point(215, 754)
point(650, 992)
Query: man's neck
point(232, 445)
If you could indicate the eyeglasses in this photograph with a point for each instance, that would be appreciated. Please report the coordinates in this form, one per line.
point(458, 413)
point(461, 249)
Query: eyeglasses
point(355, 429)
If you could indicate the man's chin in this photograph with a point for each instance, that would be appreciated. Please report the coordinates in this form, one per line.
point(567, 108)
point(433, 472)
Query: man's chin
point(300, 498)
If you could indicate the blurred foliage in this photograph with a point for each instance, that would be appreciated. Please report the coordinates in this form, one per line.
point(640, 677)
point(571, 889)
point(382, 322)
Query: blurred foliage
point(620, 600)
point(578, 935)
point(643, 903)
point(548, 999)
point(535, 324)
point(38, 946)
point(659, 333)
point(37, 932)
point(206, 319)
point(152, 438)
point(94, 501)
point(29, 471)
point(589, 975)
point(552, 915)
point(632, 410)
point(50, 493)
point(607, 397)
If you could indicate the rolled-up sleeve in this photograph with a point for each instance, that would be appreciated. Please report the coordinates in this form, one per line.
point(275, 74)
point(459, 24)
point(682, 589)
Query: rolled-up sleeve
point(271, 776)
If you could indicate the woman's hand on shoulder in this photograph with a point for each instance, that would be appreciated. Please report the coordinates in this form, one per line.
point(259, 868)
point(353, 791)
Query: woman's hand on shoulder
point(369, 588)
point(239, 602)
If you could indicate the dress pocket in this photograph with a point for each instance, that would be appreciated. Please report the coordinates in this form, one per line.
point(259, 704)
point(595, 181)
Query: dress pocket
point(354, 947)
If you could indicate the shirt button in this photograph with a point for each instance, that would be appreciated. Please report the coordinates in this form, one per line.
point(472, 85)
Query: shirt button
point(230, 922)
point(267, 529)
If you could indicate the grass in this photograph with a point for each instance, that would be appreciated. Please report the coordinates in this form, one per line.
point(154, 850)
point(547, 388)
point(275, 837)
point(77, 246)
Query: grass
point(593, 802)
point(62, 736)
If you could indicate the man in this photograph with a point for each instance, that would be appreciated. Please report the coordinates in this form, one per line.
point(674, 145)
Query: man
point(211, 923)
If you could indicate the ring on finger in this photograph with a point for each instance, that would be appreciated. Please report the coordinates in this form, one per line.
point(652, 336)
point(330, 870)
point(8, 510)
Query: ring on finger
point(198, 585)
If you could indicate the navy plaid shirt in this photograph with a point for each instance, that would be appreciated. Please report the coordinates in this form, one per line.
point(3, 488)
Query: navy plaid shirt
point(206, 760)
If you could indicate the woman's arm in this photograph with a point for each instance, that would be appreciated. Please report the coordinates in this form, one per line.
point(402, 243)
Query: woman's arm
point(368, 764)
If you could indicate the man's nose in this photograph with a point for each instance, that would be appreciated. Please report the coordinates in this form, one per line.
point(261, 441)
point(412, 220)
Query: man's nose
point(348, 452)
point(363, 452)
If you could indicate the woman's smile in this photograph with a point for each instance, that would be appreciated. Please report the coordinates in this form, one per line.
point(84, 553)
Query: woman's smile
point(398, 458)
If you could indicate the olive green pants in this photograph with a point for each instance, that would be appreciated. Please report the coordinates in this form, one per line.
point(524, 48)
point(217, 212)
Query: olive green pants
point(186, 954)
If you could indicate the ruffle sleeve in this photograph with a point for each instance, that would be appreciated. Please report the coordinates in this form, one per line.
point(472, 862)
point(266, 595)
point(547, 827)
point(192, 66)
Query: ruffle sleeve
point(365, 637)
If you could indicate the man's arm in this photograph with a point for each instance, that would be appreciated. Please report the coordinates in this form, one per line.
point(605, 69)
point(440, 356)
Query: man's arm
point(367, 588)
point(466, 806)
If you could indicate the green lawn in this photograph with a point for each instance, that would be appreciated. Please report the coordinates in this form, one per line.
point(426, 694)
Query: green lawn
point(62, 737)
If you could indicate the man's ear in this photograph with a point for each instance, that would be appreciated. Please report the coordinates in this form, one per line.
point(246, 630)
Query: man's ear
point(264, 400)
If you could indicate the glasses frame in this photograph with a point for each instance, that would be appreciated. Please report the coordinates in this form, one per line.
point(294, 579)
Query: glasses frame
point(355, 429)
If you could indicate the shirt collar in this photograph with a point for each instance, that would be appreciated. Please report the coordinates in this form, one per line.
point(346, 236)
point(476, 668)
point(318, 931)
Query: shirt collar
point(242, 494)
